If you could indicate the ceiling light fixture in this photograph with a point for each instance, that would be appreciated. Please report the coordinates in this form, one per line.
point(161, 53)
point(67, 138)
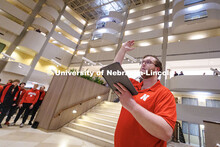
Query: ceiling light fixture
point(89, 61)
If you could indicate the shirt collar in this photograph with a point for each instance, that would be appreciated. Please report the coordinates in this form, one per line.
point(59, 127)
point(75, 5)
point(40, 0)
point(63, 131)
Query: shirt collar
point(152, 88)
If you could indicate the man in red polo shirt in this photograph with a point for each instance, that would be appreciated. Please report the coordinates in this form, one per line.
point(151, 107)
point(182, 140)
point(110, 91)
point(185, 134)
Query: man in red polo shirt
point(148, 118)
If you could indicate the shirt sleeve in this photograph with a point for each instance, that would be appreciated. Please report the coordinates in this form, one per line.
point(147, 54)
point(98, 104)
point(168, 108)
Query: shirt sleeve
point(36, 98)
point(23, 97)
point(165, 107)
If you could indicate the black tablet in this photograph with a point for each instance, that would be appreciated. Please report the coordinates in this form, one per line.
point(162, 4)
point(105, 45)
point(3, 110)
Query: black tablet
point(114, 73)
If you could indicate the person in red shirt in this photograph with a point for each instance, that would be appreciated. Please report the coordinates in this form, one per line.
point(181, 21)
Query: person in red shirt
point(7, 97)
point(17, 100)
point(148, 118)
point(27, 103)
point(8, 83)
point(37, 105)
point(1, 87)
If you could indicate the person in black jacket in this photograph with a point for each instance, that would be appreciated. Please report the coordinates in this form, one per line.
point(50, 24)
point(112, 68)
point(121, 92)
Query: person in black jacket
point(7, 98)
point(17, 99)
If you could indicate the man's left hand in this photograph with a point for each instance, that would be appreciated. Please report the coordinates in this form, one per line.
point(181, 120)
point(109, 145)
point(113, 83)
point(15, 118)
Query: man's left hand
point(125, 97)
point(31, 106)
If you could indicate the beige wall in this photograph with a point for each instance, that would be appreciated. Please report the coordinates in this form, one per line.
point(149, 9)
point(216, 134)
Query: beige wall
point(68, 94)
point(212, 133)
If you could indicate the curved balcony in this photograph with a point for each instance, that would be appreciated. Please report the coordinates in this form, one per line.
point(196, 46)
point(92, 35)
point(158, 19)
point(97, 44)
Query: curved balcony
point(13, 10)
point(83, 46)
point(63, 40)
point(194, 46)
point(196, 17)
point(209, 22)
point(33, 40)
point(158, 8)
point(86, 36)
point(17, 68)
point(41, 77)
point(116, 15)
point(10, 25)
point(73, 20)
point(53, 52)
point(90, 27)
point(49, 13)
point(28, 3)
point(182, 4)
point(42, 24)
point(104, 39)
point(114, 27)
point(195, 83)
point(57, 4)
point(197, 114)
point(144, 36)
point(68, 29)
point(144, 23)
point(7, 37)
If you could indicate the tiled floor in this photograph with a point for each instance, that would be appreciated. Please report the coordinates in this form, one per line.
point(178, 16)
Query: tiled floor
point(28, 137)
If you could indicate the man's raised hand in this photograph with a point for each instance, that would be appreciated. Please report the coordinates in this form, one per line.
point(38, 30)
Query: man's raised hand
point(127, 46)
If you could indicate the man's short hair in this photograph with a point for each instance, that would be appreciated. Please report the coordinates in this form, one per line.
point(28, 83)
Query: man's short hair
point(158, 62)
point(22, 83)
point(16, 80)
point(10, 81)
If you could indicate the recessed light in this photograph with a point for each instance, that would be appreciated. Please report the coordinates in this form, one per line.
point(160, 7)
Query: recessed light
point(196, 7)
point(107, 49)
point(144, 44)
point(98, 97)
point(74, 111)
point(196, 37)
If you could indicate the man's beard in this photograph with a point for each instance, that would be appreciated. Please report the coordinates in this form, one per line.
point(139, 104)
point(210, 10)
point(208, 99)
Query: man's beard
point(147, 76)
point(144, 76)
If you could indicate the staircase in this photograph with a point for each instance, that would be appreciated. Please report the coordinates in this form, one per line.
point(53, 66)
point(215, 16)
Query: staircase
point(97, 125)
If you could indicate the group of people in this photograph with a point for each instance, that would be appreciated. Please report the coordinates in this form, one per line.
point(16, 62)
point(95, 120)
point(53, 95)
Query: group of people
point(180, 74)
point(13, 97)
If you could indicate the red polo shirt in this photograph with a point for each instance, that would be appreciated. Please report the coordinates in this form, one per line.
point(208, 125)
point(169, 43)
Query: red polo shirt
point(158, 100)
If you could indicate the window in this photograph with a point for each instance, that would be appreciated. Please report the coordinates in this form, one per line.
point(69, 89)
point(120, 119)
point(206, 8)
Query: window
point(212, 103)
point(100, 25)
point(185, 127)
point(189, 2)
point(192, 128)
point(2, 46)
point(190, 101)
point(197, 15)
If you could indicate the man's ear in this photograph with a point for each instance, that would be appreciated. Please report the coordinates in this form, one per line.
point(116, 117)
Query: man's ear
point(157, 68)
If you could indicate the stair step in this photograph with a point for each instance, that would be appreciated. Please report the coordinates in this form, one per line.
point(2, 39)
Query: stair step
point(103, 116)
point(93, 131)
point(96, 125)
point(108, 109)
point(111, 103)
point(100, 120)
point(88, 137)
point(108, 112)
point(110, 106)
